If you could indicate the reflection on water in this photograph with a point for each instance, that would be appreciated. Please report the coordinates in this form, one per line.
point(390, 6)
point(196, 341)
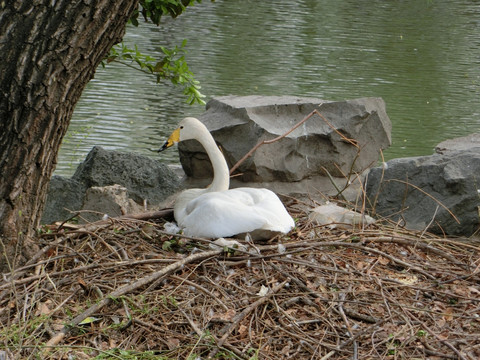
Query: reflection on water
point(421, 56)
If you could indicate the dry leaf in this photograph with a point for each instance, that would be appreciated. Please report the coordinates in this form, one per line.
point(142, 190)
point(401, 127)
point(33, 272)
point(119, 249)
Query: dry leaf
point(384, 261)
point(242, 330)
point(440, 322)
point(112, 343)
point(290, 311)
point(51, 252)
point(43, 308)
point(407, 279)
point(57, 325)
point(172, 342)
point(286, 349)
point(438, 306)
point(474, 290)
point(460, 290)
point(311, 285)
point(448, 314)
point(228, 316)
point(443, 335)
point(360, 265)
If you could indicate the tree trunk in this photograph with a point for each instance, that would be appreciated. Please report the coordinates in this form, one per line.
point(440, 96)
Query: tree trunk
point(49, 50)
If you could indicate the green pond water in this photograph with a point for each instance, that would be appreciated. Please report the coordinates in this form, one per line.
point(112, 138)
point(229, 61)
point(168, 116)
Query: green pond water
point(421, 56)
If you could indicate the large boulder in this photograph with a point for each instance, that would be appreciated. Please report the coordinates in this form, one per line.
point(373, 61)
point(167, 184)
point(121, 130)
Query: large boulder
point(238, 123)
point(145, 178)
point(64, 197)
point(430, 192)
point(140, 177)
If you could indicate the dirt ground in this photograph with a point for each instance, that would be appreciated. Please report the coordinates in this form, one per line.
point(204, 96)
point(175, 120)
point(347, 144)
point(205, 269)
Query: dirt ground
point(124, 289)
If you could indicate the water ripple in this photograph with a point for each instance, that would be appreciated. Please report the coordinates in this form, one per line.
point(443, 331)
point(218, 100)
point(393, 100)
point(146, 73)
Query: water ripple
point(422, 57)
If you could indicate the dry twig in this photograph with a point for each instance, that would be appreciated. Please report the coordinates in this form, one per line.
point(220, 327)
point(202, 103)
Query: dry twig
point(397, 294)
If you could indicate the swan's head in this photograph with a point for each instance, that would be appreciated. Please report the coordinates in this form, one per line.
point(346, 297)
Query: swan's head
point(188, 128)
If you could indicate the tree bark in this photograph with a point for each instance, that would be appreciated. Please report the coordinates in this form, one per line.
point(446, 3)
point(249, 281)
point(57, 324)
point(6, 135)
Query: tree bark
point(49, 50)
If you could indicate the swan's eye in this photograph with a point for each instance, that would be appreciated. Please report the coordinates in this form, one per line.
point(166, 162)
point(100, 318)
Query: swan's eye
point(181, 127)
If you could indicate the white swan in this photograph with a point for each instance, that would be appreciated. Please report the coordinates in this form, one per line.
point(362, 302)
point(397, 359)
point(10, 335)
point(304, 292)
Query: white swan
point(217, 211)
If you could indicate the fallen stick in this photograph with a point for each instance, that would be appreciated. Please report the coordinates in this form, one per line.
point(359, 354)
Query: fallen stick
point(350, 313)
point(113, 264)
point(57, 338)
point(160, 214)
point(94, 226)
point(417, 243)
point(202, 289)
point(439, 338)
point(236, 320)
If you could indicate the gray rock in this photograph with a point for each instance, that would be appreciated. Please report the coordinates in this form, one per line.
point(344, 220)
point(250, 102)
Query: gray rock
point(111, 200)
point(418, 191)
point(65, 196)
point(144, 178)
point(238, 123)
point(468, 142)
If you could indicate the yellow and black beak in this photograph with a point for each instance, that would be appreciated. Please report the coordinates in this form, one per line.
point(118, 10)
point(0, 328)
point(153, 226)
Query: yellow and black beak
point(172, 139)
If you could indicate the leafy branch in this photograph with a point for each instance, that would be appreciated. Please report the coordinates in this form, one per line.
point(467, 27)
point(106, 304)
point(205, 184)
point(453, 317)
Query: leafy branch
point(154, 9)
point(171, 67)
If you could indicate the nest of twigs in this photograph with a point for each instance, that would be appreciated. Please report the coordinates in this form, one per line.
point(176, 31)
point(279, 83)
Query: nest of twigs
point(124, 289)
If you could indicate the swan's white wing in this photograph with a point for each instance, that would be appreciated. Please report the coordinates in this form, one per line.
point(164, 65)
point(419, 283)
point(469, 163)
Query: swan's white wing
point(268, 204)
point(181, 202)
point(213, 215)
point(231, 212)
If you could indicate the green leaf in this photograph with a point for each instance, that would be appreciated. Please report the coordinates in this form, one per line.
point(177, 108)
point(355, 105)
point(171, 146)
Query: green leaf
point(153, 10)
point(172, 67)
point(89, 320)
point(167, 246)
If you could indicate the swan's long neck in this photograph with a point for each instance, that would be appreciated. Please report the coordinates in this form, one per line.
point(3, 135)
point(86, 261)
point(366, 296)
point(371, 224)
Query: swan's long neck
point(221, 175)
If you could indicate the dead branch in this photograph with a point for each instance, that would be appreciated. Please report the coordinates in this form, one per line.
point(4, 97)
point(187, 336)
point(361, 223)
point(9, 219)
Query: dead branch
point(236, 320)
point(127, 289)
point(365, 281)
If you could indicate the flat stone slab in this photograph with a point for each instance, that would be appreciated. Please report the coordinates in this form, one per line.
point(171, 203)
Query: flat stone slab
point(468, 142)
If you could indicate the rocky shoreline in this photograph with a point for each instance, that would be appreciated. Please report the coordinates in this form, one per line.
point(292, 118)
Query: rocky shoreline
point(332, 155)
